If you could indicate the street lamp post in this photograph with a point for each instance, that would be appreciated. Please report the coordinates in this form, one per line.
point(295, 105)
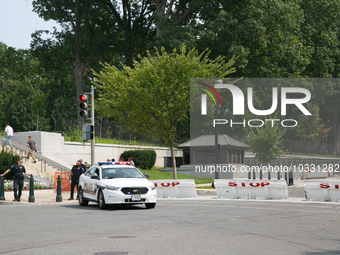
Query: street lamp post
point(217, 151)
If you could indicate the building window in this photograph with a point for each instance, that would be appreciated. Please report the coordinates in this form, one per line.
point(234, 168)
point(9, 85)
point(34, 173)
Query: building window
point(234, 157)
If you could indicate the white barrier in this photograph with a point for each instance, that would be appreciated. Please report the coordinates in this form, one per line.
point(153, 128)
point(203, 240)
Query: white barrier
point(322, 191)
point(251, 189)
point(184, 188)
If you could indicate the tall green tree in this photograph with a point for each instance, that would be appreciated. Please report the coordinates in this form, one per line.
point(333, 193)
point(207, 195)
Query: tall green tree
point(321, 33)
point(19, 82)
point(265, 143)
point(154, 97)
point(95, 31)
point(264, 35)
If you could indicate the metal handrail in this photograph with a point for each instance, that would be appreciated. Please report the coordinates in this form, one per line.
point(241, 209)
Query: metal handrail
point(44, 160)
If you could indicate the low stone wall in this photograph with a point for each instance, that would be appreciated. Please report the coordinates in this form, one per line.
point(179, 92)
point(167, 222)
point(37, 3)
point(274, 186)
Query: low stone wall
point(53, 145)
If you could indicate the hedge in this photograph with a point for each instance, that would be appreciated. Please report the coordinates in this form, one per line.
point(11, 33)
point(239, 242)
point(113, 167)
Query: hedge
point(7, 159)
point(143, 159)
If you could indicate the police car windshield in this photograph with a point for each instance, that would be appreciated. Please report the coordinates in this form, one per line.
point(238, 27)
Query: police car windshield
point(110, 173)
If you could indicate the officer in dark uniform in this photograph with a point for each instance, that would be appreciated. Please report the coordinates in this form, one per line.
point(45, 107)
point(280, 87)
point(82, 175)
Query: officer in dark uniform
point(18, 173)
point(82, 166)
point(76, 172)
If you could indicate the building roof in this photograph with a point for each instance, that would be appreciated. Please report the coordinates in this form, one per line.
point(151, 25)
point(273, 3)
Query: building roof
point(209, 140)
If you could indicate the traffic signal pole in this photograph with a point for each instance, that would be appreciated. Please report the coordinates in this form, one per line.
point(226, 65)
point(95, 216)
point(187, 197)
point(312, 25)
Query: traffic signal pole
point(92, 123)
point(88, 128)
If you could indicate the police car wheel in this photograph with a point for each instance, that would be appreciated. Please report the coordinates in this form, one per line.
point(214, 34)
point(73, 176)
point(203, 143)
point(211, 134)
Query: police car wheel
point(150, 205)
point(101, 201)
point(82, 201)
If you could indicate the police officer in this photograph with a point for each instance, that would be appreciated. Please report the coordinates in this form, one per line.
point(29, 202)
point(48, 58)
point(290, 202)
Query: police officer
point(76, 172)
point(82, 166)
point(18, 173)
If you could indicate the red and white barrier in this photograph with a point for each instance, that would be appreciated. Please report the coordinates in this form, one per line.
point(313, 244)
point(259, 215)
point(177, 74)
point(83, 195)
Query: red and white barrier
point(251, 189)
point(184, 188)
point(322, 191)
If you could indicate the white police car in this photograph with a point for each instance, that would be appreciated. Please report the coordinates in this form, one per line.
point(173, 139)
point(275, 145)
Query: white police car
point(116, 183)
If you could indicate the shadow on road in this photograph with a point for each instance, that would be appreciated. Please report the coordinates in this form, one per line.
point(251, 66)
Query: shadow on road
point(93, 206)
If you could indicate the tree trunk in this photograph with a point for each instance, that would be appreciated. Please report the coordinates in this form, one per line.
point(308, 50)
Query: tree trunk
point(337, 138)
point(173, 159)
point(78, 64)
point(335, 135)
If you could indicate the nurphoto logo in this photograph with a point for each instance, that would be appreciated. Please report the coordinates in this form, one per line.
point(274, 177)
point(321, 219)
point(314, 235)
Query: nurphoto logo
point(238, 102)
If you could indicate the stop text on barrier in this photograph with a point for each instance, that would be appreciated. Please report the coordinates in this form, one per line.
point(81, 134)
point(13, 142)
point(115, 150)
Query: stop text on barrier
point(249, 184)
point(329, 185)
point(167, 184)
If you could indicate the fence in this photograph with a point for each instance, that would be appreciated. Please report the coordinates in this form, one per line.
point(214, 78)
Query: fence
point(296, 167)
point(108, 128)
point(103, 129)
point(291, 162)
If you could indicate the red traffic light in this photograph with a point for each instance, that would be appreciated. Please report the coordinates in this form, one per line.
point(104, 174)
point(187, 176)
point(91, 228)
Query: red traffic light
point(83, 98)
point(83, 106)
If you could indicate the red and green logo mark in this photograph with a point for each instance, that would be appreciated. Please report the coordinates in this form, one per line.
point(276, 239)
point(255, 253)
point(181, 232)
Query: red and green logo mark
point(209, 93)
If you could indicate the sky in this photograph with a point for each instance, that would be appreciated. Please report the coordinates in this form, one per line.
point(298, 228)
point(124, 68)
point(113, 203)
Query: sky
point(18, 22)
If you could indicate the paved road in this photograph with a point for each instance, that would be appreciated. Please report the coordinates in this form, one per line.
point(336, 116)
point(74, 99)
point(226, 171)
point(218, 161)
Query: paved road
point(177, 226)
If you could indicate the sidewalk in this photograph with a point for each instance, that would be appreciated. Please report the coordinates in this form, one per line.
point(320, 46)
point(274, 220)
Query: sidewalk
point(48, 196)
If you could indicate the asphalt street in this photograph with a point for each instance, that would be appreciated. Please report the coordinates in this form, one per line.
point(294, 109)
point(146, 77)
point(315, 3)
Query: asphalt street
point(175, 226)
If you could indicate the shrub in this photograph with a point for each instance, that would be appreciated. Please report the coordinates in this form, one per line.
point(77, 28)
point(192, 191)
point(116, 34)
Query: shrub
point(7, 159)
point(144, 159)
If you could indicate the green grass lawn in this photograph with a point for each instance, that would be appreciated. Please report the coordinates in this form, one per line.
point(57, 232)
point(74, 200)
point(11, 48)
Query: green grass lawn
point(159, 175)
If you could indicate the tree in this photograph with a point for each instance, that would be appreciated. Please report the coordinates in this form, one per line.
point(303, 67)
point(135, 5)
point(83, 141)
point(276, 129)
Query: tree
point(265, 143)
point(19, 82)
point(264, 35)
point(93, 32)
point(321, 33)
point(154, 97)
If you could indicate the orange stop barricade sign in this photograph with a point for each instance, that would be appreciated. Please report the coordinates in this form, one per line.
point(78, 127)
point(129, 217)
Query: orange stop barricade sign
point(65, 180)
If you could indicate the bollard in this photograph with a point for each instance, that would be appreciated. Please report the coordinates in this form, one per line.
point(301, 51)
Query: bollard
point(59, 198)
point(254, 174)
point(31, 198)
point(291, 181)
point(261, 174)
point(2, 189)
point(269, 178)
point(249, 174)
point(278, 175)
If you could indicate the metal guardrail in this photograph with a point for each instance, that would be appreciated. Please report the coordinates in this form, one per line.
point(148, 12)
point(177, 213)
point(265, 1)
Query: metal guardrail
point(43, 160)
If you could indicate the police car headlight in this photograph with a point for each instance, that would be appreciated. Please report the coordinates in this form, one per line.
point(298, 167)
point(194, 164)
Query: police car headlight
point(111, 188)
point(152, 187)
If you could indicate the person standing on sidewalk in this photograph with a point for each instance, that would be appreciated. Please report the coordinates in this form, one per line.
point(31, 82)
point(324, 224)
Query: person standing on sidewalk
point(86, 165)
point(32, 148)
point(10, 132)
point(131, 162)
point(76, 172)
point(18, 173)
point(82, 166)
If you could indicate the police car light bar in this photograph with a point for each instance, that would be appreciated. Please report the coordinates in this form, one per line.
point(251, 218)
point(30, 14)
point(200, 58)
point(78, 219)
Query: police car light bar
point(114, 163)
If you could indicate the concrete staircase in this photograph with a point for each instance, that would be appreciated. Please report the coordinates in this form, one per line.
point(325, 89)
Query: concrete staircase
point(37, 169)
point(43, 170)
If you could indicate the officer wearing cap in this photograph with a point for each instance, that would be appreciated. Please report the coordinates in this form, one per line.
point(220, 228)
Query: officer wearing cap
point(76, 172)
point(18, 173)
